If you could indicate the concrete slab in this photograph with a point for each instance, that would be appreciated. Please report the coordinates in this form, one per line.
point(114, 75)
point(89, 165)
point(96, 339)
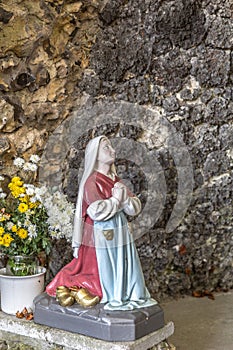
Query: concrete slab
point(51, 338)
point(201, 323)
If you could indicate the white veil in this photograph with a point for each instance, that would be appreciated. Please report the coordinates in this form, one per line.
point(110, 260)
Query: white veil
point(91, 153)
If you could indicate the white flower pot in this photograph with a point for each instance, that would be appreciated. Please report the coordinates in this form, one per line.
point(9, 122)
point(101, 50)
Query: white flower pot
point(18, 292)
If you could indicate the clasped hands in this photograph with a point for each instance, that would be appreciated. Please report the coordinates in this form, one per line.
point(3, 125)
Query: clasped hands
point(119, 191)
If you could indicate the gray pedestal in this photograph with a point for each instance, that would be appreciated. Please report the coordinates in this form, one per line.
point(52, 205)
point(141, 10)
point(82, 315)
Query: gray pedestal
point(97, 322)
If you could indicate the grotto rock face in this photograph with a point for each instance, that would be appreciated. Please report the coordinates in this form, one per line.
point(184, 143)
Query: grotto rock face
point(44, 48)
point(65, 58)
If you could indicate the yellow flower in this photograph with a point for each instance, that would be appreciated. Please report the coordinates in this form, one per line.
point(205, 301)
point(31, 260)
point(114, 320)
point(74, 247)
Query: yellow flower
point(33, 205)
point(14, 228)
point(2, 230)
point(22, 207)
point(24, 199)
point(22, 233)
point(7, 239)
point(16, 190)
point(2, 218)
point(17, 181)
point(1, 241)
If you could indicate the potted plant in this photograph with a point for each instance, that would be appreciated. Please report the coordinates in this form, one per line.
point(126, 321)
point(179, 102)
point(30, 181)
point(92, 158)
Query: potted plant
point(30, 217)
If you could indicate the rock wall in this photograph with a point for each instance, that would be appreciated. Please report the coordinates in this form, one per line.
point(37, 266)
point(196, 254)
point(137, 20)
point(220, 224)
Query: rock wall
point(172, 57)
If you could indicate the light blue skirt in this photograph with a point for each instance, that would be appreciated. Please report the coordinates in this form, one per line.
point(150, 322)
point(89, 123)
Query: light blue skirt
point(121, 276)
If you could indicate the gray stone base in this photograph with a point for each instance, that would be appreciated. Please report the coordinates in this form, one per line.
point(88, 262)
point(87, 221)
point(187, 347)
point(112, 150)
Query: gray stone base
point(33, 336)
point(97, 322)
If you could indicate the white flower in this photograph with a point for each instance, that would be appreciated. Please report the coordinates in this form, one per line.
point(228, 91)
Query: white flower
point(53, 233)
point(19, 162)
point(60, 215)
point(32, 231)
point(39, 195)
point(41, 191)
point(1, 178)
point(9, 225)
point(30, 189)
point(33, 167)
point(3, 195)
point(57, 196)
point(70, 211)
point(30, 167)
point(59, 210)
point(34, 158)
point(27, 222)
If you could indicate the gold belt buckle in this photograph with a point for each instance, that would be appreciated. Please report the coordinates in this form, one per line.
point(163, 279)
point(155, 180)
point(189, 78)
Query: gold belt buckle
point(108, 234)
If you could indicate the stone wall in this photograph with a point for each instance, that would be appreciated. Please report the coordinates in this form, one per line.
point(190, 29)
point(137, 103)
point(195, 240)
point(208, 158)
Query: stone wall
point(174, 58)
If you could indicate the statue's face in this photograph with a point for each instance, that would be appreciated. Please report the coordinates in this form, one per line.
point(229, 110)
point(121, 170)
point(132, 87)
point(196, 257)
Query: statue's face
point(106, 154)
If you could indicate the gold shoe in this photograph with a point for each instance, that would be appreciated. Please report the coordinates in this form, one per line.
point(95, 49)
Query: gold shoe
point(83, 297)
point(64, 297)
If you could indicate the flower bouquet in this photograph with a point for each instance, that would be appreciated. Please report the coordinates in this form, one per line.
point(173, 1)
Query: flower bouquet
point(30, 217)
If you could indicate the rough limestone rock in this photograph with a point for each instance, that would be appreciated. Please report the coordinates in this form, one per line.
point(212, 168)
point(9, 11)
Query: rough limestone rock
point(63, 58)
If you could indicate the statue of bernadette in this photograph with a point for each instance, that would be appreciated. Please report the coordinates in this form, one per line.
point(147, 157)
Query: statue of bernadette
point(105, 263)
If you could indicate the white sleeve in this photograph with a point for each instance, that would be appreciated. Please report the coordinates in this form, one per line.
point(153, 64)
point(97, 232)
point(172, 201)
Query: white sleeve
point(102, 210)
point(132, 206)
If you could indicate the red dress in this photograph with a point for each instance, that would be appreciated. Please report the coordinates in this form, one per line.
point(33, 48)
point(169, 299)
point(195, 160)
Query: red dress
point(83, 271)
